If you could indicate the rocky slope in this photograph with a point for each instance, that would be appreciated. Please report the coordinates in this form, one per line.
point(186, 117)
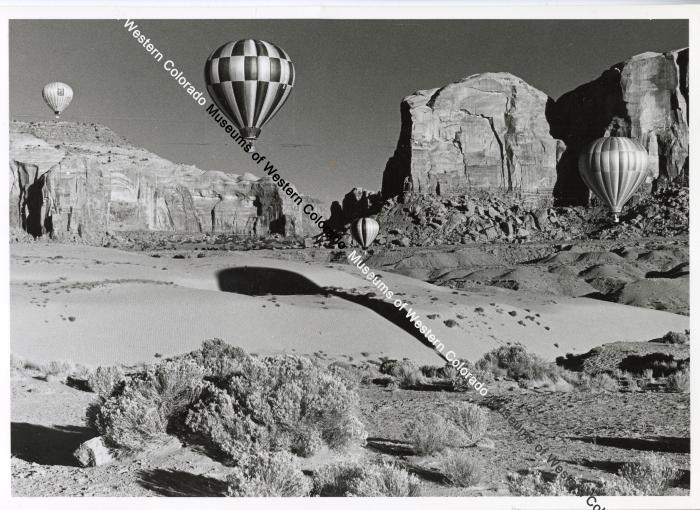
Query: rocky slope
point(69, 178)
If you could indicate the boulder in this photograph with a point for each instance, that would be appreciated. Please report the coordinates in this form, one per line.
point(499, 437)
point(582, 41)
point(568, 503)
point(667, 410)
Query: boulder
point(485, 131)
point(645, 98)
point(93, 452)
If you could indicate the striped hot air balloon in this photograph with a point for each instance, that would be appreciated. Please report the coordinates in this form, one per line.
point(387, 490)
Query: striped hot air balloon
point(613, 168)
point(249, 81)
point(364, 230)
point(58, 96)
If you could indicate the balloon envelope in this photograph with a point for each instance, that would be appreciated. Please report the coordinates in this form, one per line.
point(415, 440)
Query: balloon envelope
point(613, 168)
point(249, 81)
point(57, 95)
point(364, 230)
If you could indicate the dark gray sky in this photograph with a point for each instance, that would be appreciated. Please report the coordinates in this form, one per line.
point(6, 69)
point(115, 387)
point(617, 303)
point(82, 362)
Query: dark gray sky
point(341, 122)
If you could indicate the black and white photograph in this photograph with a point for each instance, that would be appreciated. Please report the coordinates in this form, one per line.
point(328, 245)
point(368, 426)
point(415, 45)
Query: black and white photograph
point(435, 252)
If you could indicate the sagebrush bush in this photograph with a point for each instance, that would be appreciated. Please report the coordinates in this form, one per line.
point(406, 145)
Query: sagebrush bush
point(432, 433)
point(103, 380)
point(680, 381)
point(141, 411)
point(364, 479)
point(268, 474)
point(219, 359)
point(675, 337)
point(514, 362)
point(651, 476)
point(58, 369)
point(603, 382)
point(532, 484)
point(288, 402)
point(470, 419)
point(405, 372)
point(460, 469)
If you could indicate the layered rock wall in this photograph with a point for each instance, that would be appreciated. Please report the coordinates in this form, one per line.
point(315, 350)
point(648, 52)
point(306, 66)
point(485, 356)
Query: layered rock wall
point(91, 183)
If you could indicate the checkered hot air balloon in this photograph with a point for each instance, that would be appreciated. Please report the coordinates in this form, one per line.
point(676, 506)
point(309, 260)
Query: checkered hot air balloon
point(249, 81)
point(613, 168)
point(364, 230)
point(58, 96)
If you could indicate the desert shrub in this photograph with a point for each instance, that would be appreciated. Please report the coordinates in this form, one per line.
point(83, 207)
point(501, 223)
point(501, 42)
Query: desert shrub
point(143, 409)
point(514, 362)
point(680, 381)
point(268, 474)
point(433, 371)
point(219, 359)
point(355, 478)
point(648, 374)
point(289, 403)
point(460, 469)
point(460, 383)
point(599, 382)
point(470, 419)
point(675, 337)
point(103, 380)
point(58, 369)
point(353, 376)
point(651, 476)
point(432, 433)
point(406, 373)
point(533, 484)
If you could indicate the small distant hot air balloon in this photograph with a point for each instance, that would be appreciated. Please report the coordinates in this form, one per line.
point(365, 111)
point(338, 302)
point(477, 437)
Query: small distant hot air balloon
point(613, 168)
point(364, 230)
point(249, 81)
point(58, 96)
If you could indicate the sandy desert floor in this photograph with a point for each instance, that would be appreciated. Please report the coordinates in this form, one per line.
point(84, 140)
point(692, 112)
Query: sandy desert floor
point(103, 306)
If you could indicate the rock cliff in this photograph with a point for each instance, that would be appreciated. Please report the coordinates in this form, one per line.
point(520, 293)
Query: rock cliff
point(70, 178)
point(644, 97)
point(486, 131)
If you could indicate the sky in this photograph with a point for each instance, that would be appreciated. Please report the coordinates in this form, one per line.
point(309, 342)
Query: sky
point(341, 122)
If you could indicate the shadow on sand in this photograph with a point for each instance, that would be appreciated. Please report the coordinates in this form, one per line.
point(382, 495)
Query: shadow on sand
point(47, 445)
point(174, 483)
point(259, 281)
point(656, 444)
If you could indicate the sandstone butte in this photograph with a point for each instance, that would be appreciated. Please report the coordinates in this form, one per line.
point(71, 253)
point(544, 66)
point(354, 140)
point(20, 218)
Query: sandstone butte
point(494, 131)
point(489, 131)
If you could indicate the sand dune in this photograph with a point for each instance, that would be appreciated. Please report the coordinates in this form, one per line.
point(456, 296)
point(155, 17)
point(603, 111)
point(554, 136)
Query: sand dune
point(100, 306)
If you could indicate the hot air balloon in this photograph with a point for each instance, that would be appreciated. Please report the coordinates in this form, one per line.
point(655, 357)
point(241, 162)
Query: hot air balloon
point(58, 96)
point(613, 168)
point(364, 230)
point(249, 81)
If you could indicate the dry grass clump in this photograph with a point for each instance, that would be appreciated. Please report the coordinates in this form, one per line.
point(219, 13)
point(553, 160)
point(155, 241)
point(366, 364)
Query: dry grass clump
point(680, 381)
point(268, 474)
point(431, 433)
point(471, 420)
point(405, 372)
point(462, 424)
point(533, 484)
point(460, 469)
point(652, 476)
point(362, 479)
